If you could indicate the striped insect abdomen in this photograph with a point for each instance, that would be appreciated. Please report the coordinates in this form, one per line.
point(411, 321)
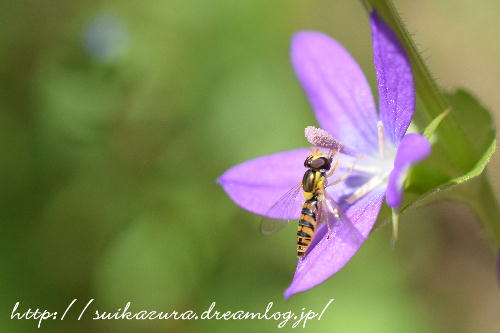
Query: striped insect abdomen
point(307, 225)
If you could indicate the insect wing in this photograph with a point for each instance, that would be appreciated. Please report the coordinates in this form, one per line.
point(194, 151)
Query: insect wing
point(341, 226)
point(288, 207)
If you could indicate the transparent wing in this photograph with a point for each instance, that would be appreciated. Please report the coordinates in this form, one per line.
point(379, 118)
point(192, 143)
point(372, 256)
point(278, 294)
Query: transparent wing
point(341, 226)
point(287, 208)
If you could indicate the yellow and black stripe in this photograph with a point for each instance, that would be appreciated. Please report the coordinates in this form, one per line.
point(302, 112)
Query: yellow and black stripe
point(307, 225)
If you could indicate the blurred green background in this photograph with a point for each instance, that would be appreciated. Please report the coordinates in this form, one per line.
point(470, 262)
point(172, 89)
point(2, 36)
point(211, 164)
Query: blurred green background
point(116, 119)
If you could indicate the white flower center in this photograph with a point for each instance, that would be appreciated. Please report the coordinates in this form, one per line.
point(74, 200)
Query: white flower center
point(379, 166)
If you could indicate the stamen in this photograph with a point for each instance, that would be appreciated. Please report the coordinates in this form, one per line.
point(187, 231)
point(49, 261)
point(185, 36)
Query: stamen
point(365, 188)
point(395, 223)
point(380, 127)
point(363, 168)
point(320, 138)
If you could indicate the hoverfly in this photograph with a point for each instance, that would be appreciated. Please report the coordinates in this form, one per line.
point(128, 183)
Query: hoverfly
point(314, 207)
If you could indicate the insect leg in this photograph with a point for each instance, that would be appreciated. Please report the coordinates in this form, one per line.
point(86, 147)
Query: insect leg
point(328, 225)
point(335, 214)
point(335, 152)
point(348, 172)
point(322, 205)
point(333, 168)
point(344, 176)
point(321, 210)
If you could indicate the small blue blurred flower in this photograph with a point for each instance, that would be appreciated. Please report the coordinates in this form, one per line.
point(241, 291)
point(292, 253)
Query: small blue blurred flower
point(105, 38)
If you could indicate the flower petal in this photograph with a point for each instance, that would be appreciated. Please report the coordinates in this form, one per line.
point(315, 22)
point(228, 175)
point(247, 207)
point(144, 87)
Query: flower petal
point(412, 149)
point(257, 184)
point(394, 78)
point(337, 90)
point(330, 255)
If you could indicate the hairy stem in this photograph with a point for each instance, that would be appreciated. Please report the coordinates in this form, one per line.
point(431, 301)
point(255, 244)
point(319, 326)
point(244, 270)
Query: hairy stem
point(486, 207)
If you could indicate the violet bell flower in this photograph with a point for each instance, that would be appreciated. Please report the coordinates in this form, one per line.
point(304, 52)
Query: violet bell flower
point(375, 144)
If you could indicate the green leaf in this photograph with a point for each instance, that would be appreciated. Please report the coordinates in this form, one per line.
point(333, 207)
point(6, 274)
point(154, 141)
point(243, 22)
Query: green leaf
point(474, 121)
point(432, 127)
point(476, 124)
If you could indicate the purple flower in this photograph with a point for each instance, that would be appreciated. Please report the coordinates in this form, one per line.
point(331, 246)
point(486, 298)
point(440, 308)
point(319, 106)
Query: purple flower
point(344, 107)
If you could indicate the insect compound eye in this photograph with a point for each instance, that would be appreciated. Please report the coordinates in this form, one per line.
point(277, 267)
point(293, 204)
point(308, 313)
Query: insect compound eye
point(320, 163)
point(307, 162)
point(328, 164)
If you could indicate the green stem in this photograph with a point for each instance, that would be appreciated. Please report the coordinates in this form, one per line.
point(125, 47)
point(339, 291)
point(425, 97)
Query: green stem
point(486, 207)
point(478, 195)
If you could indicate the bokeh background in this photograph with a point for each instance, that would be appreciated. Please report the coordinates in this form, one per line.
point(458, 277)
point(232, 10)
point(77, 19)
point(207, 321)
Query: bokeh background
point(116, 119)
